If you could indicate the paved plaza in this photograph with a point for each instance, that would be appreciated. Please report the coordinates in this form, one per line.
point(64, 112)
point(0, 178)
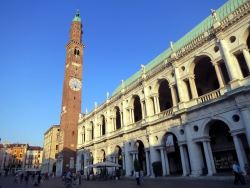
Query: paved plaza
point(176, 182)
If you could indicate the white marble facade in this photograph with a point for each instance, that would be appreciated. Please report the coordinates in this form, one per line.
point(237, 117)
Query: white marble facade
point(200, 94)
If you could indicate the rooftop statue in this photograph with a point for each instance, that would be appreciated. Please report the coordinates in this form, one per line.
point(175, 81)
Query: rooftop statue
point(172, 46)
point(142, 68)
point(107, 95)
point(214, 14)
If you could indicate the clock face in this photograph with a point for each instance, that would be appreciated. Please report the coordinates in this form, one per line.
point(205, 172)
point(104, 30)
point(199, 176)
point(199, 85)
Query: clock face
point(75, 84)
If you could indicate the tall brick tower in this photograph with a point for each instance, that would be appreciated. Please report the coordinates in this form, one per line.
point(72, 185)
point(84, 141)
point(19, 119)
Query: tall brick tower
point(72, 94)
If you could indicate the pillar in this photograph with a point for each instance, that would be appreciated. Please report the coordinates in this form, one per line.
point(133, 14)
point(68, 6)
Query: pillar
point(246, 119)
point(166, 162)
point(211, 157)
point(247, 57)
point(208, 161)
point(163, 162)
point(239, 153)
point(193, 87)
point(233, 69)
point(219, 75)
point(173, 93)
point(183, 161)
point(147, 163)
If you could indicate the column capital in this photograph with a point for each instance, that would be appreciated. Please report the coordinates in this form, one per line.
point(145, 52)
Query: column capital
point(238, 131)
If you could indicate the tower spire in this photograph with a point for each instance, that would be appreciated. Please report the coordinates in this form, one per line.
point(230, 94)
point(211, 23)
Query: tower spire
point(77, 16)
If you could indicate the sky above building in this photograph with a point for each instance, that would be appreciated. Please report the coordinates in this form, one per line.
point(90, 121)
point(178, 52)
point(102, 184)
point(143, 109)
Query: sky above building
point(119, 35)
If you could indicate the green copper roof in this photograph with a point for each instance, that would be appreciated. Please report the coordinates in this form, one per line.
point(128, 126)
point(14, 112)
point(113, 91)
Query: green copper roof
point(77, 17)
point(223, 11)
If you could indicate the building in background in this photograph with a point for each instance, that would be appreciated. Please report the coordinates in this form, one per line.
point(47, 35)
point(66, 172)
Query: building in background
point(33, 159)
point(14, 157)
point(188, 109)
point(50, 149)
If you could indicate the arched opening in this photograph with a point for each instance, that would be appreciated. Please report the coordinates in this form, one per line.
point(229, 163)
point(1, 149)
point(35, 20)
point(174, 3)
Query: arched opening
point(165, 98)
point(222, 146)
point(205, 76)
point(103, 126)
point(83, 134)
point(141, 155)
point(103, 156)
point(54, 167)
point(118, 118)
point(119, 156)
point(137, 109)
point(91, 130)
point(173, 153)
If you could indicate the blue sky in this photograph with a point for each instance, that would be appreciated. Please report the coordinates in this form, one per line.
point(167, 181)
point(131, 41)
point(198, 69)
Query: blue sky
point(120, 35)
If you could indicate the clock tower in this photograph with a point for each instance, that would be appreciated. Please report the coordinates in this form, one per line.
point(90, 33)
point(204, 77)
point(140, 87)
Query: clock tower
point(72, 95)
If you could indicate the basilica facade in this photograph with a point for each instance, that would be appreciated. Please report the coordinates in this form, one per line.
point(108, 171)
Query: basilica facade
point(189, 108)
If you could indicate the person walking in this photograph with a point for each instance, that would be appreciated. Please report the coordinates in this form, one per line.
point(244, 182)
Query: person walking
point(46, 176)
point(78, 176)
point(137, 176)
point(141, 177)
point(240, 174)
point(237, 177)
point(21, 178)
point(16, 179)
point(26, 178)
point(39, 179)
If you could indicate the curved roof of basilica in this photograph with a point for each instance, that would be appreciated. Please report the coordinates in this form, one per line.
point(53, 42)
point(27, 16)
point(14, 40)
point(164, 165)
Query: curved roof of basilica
point(223, 11)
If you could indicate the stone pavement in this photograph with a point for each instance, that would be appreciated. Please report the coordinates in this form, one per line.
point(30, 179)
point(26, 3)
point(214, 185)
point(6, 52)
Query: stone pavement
point(129, 182)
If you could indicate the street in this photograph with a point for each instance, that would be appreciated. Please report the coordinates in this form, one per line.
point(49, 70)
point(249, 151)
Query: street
point(177, 182)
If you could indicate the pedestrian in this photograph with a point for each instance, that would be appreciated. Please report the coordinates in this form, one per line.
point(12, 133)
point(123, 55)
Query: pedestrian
point(241, 174)
point(26, 178)
point(46, 176)
point(141, 177)
point(247, 169)
point(21, 178)
point(137, 176)
point(53, 175)
point(33, 177)
point(16, 179)
point(237, 177)
point(78, 176)
point(39, 179)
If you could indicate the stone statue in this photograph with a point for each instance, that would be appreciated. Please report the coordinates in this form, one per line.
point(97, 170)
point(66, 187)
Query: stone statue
point(142, 68)
point(172, 46)
point(214, 14)
point(122, 83)
point(107, 95)
point(87, 111)
point(95, 104)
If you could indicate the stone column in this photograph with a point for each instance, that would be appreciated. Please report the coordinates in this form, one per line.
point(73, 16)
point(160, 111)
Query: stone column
point(211, 157)
point(194, 154)
point(173, 93)
point(208, 160)
point(155, 105)
point(219, 75)
point(153, 156)
point(158, 104)
point(163, 162)
point(142, 110)
point(179, 82)
point(114, 123)
point(239, 152)
point(193, 87)
point(183, 161)
point(233, 69)
point(147, 163)
point(247, 57)
point(121, 118)
point(186, 159)
point(246, 119)
point(133, 157)
point(128, 162)
point(123, 162)
point(166, 162)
